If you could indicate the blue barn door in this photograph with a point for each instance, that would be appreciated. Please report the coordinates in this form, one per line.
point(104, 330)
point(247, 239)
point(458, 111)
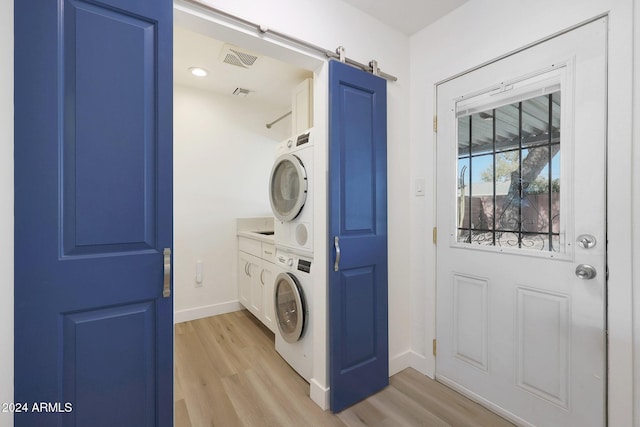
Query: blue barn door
point(358, 324)
point(93, 213)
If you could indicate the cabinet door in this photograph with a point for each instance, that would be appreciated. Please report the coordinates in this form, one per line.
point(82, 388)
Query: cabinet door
point(302, 107)
point(256, 293)
point(244, 279)
point(268, 283)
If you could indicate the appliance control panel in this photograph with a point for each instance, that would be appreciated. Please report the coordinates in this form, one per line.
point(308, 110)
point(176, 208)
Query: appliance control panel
point(302, 139)
point(293, 261)
point(304, 265)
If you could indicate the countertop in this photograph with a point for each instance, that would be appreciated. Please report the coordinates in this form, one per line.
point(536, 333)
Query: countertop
point(256, 235)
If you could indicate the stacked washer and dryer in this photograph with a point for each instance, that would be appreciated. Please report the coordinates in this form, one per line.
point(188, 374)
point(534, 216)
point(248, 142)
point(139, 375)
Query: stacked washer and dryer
point(291, 196)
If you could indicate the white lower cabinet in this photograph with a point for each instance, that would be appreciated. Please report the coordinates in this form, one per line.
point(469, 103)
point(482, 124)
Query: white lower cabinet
point(244, 279)
point(257, 288)
point(268, 278)
point(255, 279)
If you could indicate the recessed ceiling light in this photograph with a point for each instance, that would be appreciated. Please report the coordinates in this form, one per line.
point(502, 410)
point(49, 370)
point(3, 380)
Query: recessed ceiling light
point(198, 72)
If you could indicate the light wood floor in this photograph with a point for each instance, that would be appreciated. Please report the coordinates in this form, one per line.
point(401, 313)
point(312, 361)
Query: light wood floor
point(229, 374)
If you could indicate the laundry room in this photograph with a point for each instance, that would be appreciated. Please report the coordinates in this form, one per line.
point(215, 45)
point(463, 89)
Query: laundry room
point(225, 147)
point(227, 125)
point(243, 125)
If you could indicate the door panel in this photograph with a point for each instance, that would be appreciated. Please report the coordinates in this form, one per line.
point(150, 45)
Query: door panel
point(99, 157)
point(93, 208)
point(542, 350)
point(521, 178)
point(358, 325)
point(470, 320)
point(100, 367)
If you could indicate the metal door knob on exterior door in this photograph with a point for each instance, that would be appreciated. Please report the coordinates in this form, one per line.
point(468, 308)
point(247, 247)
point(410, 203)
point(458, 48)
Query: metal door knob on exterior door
point(585, 272)
point(586, 241)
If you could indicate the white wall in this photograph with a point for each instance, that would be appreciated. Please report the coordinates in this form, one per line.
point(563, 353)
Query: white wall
point(222, 156)
point(480, 31)
point(6, 208)
point(636, 210)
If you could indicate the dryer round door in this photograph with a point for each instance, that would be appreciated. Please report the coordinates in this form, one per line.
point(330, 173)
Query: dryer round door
point(289, 307)
point(287, 187)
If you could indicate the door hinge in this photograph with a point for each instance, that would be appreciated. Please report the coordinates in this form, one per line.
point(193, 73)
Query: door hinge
point(435, 235)
point(434, 346)
point(435, 124)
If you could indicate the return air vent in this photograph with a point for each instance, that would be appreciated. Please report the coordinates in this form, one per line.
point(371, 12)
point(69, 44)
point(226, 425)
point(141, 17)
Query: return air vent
point(240, 91)
point(235, 56)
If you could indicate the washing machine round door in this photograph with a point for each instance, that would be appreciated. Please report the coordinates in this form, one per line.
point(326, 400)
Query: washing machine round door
point(287, 187)
point(289, 307)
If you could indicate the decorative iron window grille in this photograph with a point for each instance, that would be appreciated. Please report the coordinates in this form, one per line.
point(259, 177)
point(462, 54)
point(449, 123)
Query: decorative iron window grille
point(509, 175)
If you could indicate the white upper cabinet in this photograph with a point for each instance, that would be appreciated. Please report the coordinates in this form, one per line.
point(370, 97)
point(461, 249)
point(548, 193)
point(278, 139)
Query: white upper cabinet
point(302, 107)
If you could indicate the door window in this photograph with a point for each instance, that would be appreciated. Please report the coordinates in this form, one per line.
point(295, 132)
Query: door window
point(508, 172)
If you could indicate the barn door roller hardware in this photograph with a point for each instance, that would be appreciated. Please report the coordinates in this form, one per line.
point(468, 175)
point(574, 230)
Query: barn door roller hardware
point(372, 67)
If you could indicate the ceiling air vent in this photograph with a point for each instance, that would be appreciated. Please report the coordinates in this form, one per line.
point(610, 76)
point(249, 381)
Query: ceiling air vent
point(240, 91)
point(235, 56)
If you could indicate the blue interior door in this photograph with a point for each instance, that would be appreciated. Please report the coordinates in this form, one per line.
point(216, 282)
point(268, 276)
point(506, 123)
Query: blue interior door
point(93, 212)
point(358, 324)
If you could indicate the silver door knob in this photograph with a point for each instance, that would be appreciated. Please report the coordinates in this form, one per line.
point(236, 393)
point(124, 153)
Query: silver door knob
point(585, 272)
point(586, 241)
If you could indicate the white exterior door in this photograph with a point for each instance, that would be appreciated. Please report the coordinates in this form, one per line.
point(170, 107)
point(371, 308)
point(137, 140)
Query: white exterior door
point(521, 186)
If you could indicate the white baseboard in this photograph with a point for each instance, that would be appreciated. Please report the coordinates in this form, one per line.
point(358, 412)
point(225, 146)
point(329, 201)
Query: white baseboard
point(399, 362)
point(409, 359)
point(422, 364)
point(319, 394)
point(206, 311)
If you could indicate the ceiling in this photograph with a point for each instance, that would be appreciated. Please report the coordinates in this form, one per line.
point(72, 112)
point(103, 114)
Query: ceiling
point(270, 81)
point(407, 16)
